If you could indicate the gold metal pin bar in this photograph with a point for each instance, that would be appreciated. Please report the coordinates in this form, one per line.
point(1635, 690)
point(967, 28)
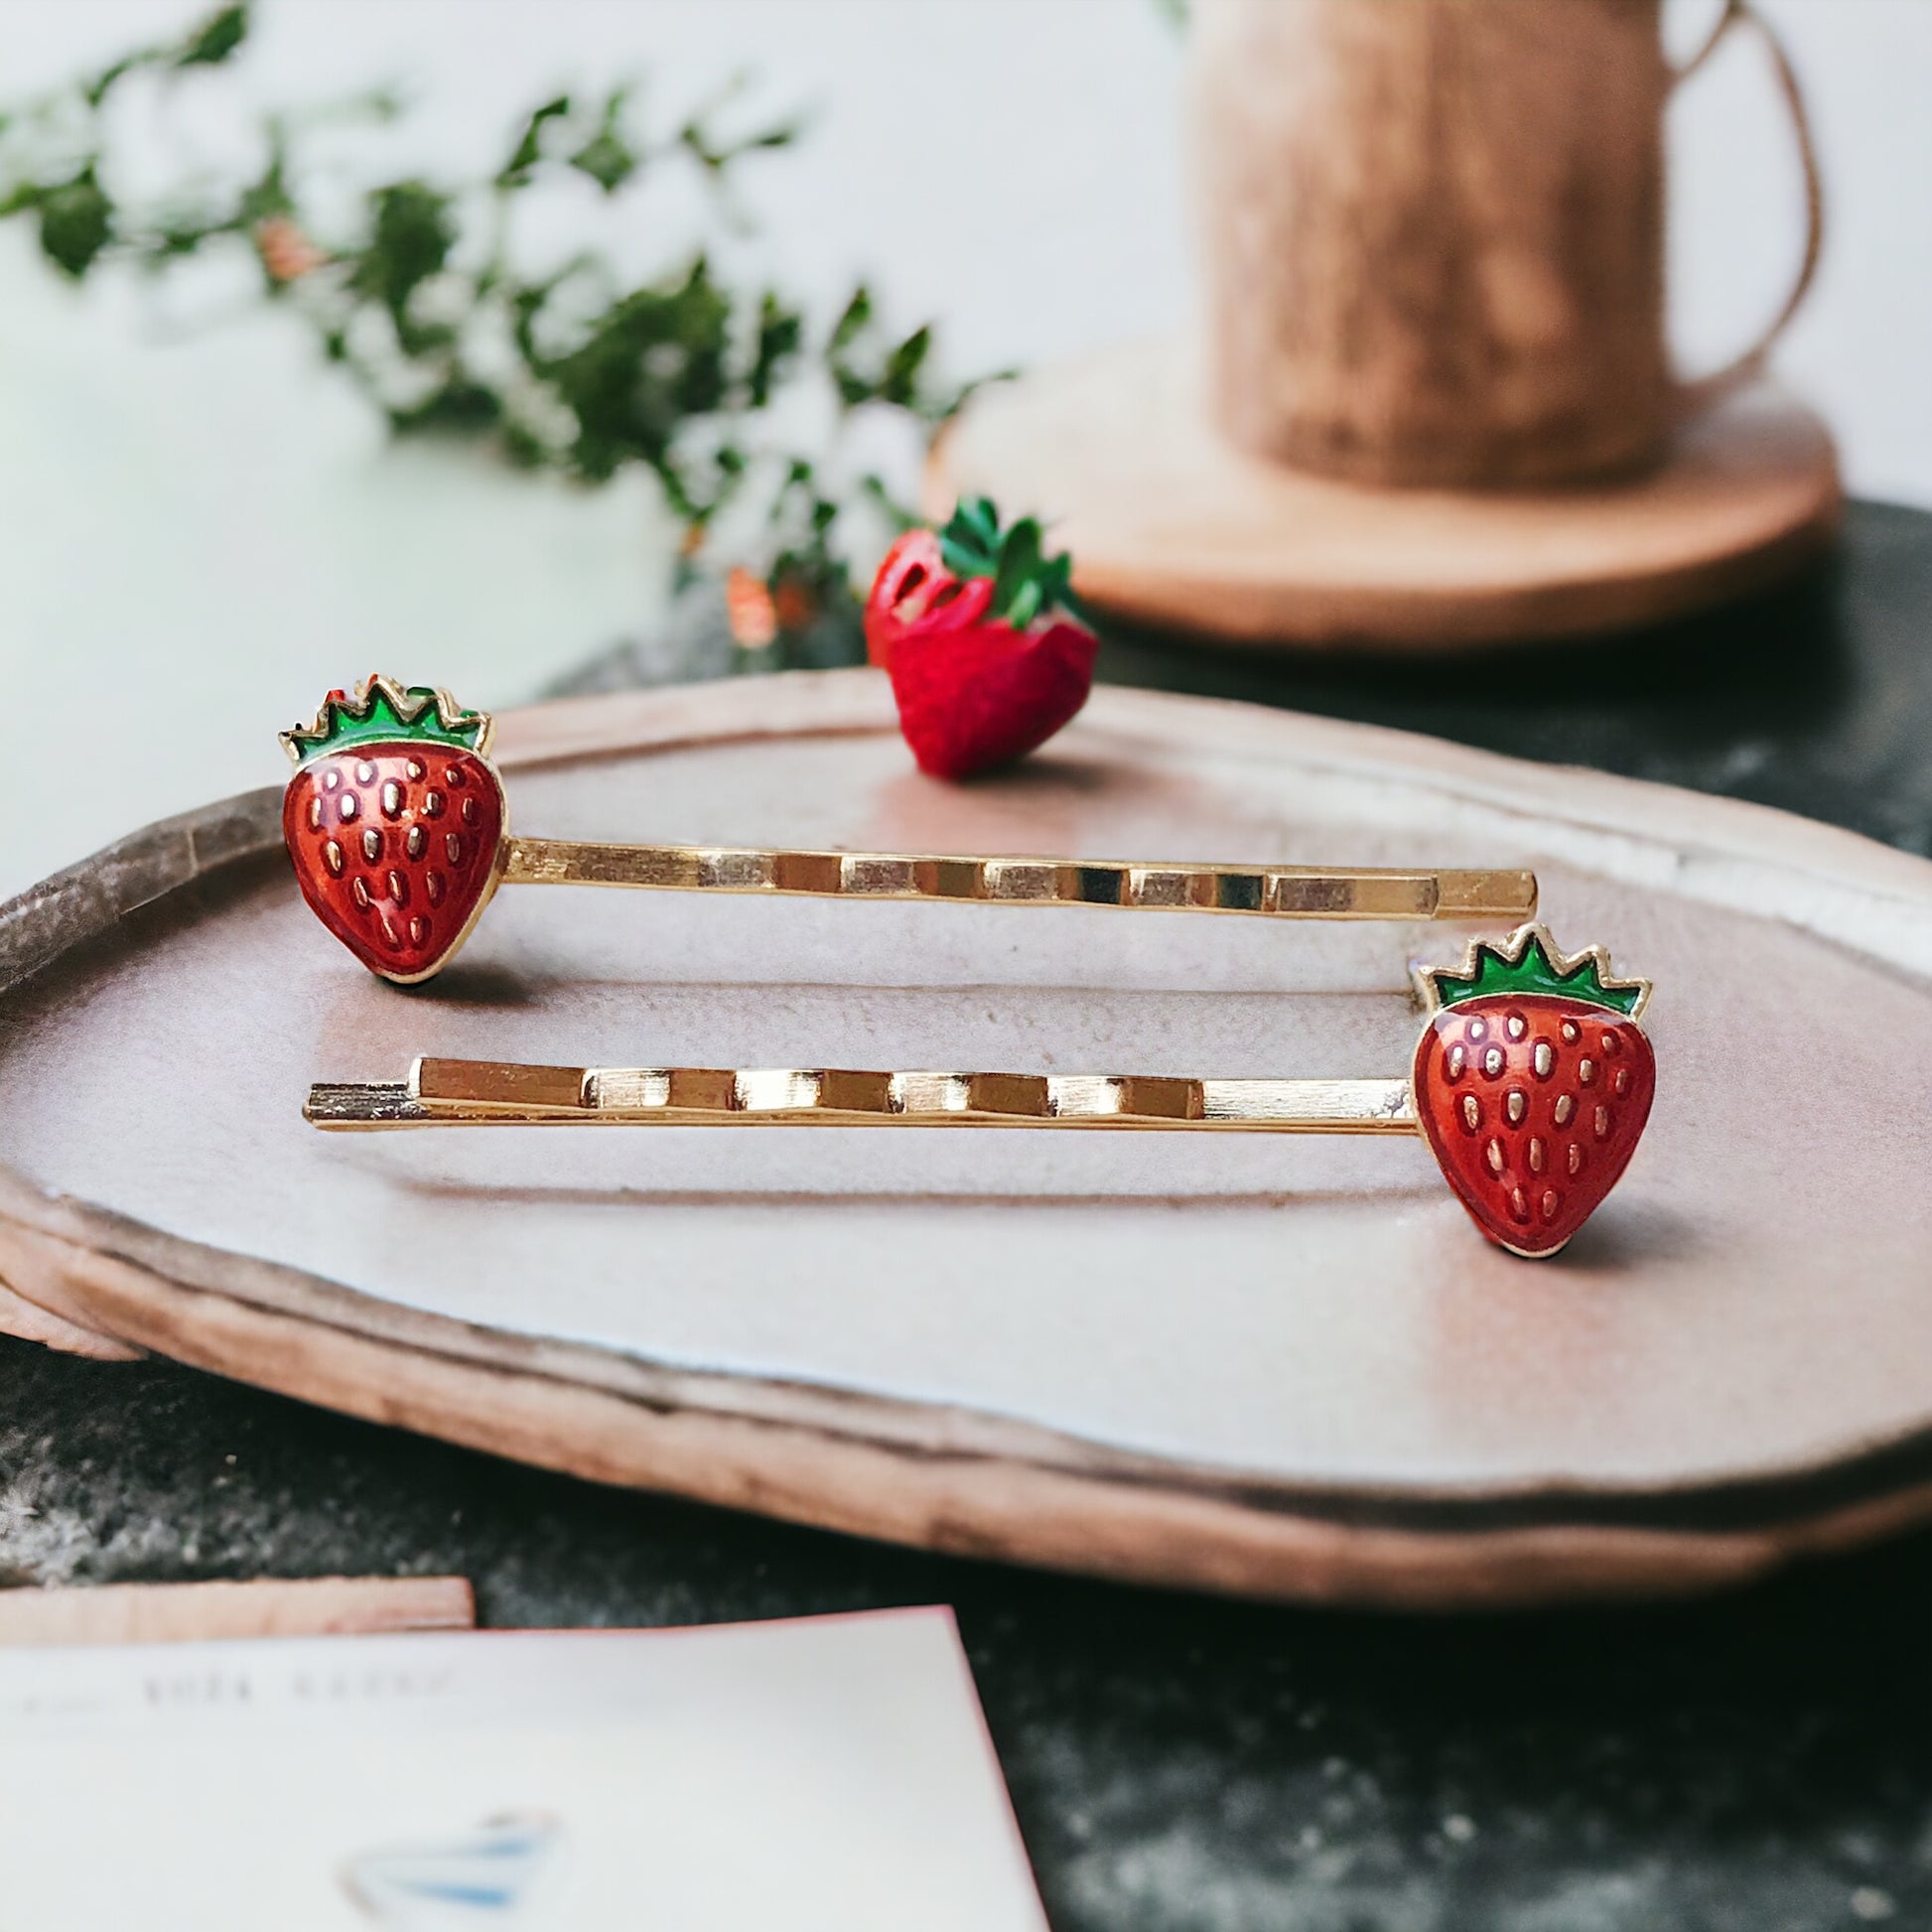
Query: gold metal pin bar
point(481, 1093)
point(1278, 891)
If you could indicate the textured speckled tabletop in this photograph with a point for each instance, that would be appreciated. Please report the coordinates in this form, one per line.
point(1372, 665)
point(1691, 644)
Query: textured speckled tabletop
point(1759, 1762)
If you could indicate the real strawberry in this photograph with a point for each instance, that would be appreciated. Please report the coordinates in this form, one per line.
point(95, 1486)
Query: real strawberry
point(988, 651)
point(983, 696)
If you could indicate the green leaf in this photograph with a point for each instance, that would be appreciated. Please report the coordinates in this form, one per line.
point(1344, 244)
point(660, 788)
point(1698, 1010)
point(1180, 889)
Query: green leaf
point(522, 446)
point(1026, 582)
point(900, 383)
point(77, 223)
point(969, 542)
point(1019, 566)
point(715, 156)
point(529, 145)
point(852, 319)
point(653, 358)
point(457, 406)
point(607, 158)
point(1025, 606)
point(606, 161)
point(412, 232)
point(216, 39)
point(780, 330)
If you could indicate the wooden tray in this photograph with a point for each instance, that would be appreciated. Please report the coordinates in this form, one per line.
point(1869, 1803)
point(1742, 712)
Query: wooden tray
point(1170, 525)
point(1282, 1367)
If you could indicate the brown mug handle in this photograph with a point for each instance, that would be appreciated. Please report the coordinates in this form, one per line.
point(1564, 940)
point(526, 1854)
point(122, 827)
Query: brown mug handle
point(1700, 394)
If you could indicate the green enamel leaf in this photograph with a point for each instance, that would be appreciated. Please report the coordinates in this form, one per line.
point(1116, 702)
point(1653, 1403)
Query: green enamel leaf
point(386, 713)
point(1534, 972)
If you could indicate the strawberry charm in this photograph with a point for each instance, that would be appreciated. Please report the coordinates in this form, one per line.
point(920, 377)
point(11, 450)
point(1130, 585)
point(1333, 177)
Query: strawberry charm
point(1532, 1082)
point(986, 646)
point(395, 822)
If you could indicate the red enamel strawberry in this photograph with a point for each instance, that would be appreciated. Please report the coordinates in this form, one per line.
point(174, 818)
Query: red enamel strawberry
point(1532, 1081)
point(395, 822)
point(988, 651)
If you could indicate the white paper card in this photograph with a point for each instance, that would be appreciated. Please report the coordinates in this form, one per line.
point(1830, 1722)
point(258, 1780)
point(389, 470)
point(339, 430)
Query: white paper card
point(828, 1772)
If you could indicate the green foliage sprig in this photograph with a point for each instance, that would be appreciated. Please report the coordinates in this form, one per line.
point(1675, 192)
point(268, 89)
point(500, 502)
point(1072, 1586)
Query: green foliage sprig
point(420, 299)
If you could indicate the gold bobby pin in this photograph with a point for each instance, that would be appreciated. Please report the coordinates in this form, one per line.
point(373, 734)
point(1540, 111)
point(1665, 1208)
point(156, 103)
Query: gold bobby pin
point(482, 1093)
point(399, 828)
point(1531, 1082)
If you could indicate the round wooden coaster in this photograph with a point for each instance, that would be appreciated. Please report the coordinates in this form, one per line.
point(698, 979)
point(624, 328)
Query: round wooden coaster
point(1170, 525)
point(1279, 1366)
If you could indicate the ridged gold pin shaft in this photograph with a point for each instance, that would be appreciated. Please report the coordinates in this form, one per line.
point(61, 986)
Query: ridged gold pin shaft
point(1280, 892)
point(483, 1093)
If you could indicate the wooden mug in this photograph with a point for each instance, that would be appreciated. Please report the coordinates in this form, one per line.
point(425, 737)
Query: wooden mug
point(1435, 234)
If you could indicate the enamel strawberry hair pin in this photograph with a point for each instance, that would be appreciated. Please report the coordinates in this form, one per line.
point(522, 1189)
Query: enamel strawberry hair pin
point(398, 827)
point(1531, 1083)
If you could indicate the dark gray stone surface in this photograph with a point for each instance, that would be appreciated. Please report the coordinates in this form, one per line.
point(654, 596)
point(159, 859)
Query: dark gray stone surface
point(1816, 697)
point(1758, 1762)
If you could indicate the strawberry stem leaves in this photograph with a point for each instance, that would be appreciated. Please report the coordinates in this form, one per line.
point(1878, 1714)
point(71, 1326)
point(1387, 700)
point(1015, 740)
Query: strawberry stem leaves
point(1526, 965)
point(1026, 582)
point(383, 710)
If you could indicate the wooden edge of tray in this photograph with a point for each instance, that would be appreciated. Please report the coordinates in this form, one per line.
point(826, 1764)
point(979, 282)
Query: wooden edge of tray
point(937, 1495)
